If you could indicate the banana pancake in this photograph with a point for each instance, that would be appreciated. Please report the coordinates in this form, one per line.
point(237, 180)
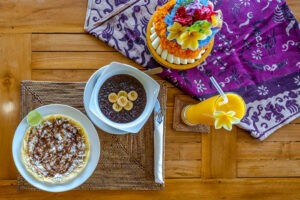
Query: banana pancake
point(56, 150)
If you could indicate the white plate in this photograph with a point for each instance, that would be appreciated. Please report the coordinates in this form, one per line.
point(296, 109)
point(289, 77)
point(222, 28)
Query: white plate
point(86, 100)
point(94, 148)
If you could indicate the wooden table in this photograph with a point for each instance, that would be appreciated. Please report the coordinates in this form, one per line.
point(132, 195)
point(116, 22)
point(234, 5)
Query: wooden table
point(45, 40)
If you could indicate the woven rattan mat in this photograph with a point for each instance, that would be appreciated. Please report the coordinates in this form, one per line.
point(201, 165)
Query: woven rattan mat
point(126, 161)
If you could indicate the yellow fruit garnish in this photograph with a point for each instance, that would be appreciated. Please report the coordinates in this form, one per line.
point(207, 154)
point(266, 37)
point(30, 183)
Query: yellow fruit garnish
point(175, 31)
point(216, 21)
point(34, 118)
point(132, 95)
point(189, 39)
point(128, 106)
point(112, 97)
point(122, 101)
point(225, 119)
point(116, 107)
point(122, 93)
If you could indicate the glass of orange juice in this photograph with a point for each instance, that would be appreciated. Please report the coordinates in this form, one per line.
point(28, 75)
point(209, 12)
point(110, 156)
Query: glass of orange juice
point(214, 111)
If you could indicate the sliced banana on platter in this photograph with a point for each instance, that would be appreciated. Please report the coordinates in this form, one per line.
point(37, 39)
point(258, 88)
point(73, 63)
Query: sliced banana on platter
point(116, 107)
point(128, 106)
point(122, 100)
point(132, 95)
point(122, 93)
point(112, 97)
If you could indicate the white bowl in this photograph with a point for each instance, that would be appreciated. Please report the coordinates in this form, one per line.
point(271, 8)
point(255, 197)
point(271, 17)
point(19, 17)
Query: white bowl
point(151, 88)
point(86, 101)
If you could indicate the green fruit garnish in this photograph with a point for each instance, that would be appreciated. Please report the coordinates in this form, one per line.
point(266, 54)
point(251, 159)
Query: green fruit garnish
point(34, 118)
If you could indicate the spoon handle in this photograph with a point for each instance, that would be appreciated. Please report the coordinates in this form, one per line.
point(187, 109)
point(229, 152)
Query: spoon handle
point(153, 71)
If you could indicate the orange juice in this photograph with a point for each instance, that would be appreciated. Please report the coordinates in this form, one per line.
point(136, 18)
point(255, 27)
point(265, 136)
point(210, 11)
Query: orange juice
point(203, 112)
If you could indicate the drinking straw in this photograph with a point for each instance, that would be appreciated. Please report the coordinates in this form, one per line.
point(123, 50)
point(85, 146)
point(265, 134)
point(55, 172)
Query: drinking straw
point(217, 86)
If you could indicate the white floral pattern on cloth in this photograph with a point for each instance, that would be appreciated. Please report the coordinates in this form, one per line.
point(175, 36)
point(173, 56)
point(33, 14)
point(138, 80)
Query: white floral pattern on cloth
point(200, 86)
point(297, 80)
point(256, 54)
point(262, 90)
point(265, 116)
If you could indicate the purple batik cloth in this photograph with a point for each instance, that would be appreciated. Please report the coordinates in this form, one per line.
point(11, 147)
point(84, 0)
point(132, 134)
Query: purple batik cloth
point(256, 54)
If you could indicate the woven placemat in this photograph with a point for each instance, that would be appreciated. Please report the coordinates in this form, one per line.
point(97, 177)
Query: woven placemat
point(126, 161)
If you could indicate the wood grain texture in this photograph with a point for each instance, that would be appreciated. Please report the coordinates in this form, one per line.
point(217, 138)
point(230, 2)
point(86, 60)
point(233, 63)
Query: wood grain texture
point(15, 66)
point(25, 16)
point(183, 151)
point(51, 33)
point(65, 75)
point(77, 60)
point(268, 150)
point(219, 154)
point(290, 132)
point(294, 5)
point(182, 189)
point(62, 75)
point(183, 168)
point(67, 16)
point(68, 42)
point(268, 168)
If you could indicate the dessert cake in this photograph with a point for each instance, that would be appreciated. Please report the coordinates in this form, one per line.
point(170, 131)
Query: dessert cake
point(56, 150)
point(180, 34)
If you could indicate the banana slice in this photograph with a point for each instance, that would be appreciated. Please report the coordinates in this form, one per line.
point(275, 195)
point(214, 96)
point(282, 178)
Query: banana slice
point(128, 106)
point(132, 95)
point(116, 107)
point(112, 97)
point(122, 101)
point(122, 93)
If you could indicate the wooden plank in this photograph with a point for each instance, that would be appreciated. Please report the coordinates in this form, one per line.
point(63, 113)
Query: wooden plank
point(183, 138)
point(172, 92)
point(294, 150)
point(190, 151)
point(267, 150)
point(183, 151)
point(296, 121)
point(182, 168)
point(67, 75)
point(77, 60)
point(268, 168)
point(181, 189)
point(8, 183)
point(219, 154)
point(59, 16)
point(244, 136)
point(172, 151)
point(295, 7)
point(289, 132)
point(41, 16)
point(15, 66)
point(62, 75)
point(68, 42)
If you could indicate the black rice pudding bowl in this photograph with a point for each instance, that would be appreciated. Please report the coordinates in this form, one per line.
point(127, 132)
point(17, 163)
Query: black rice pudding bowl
point(122, 98)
